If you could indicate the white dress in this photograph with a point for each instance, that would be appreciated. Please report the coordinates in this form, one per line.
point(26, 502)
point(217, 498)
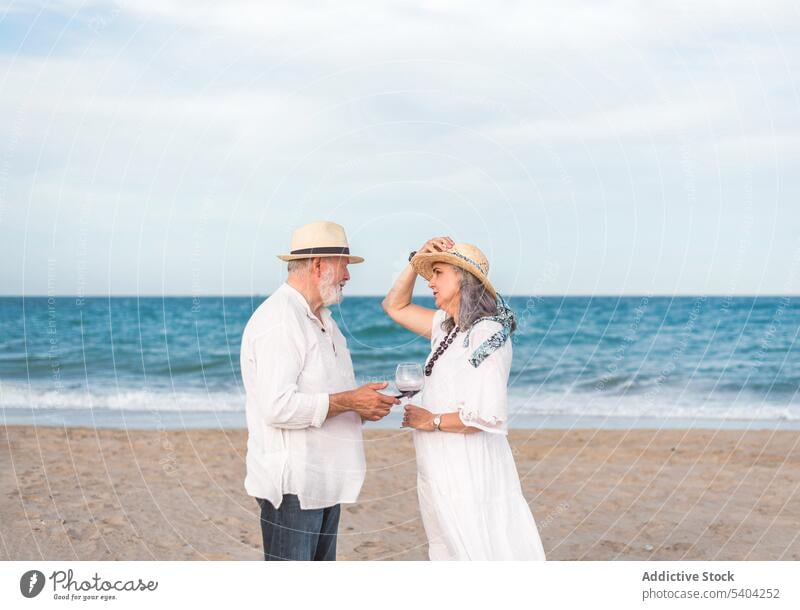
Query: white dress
point(469, 491)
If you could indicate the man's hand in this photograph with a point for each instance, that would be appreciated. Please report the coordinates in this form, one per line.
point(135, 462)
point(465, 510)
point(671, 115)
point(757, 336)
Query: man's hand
point(370, 404)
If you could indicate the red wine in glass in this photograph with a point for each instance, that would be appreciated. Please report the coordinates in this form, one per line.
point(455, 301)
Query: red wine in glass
point(408, 379)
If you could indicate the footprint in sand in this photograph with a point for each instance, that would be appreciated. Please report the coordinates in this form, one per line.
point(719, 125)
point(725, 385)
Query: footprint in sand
point(365, 546)
point(617, 547)
point(677, 546)
point(115, 521)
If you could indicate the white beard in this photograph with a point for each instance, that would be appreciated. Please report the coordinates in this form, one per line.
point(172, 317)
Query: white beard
point(330, 291)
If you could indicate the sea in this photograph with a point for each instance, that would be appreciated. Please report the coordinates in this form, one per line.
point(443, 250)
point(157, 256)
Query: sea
point(594, 361)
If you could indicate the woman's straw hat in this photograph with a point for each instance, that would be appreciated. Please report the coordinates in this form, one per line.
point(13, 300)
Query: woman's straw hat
point(319, 239)
point(465, 256)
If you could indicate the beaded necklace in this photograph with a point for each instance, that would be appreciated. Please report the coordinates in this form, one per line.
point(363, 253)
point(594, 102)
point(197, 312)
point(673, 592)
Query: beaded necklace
point(443, 345)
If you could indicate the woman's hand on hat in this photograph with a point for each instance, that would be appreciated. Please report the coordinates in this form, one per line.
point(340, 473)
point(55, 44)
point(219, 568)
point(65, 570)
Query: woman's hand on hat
point(436, 244)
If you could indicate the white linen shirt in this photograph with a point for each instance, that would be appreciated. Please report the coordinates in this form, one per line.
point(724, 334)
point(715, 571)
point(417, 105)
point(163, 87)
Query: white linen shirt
point(290, 363)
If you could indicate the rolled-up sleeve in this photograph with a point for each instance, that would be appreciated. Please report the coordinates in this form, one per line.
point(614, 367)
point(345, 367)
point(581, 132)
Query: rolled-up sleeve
point(279, 357)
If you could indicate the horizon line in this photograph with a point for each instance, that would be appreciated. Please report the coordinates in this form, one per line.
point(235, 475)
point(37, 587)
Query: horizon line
point(267, 294)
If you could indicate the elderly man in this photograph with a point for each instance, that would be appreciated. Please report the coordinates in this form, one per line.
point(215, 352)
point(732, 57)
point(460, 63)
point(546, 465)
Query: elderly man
point(305, 453)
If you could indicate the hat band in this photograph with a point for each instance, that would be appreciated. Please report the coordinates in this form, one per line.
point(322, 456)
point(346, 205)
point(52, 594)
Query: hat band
point(325, 250)
point(469, 260)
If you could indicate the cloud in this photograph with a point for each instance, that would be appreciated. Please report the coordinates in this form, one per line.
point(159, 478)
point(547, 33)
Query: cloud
point(555, 117)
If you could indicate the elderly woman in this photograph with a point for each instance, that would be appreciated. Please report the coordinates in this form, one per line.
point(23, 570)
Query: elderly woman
point(469, 492)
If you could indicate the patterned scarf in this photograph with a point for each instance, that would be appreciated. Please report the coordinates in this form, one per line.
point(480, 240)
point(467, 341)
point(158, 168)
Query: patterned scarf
point(505, 317)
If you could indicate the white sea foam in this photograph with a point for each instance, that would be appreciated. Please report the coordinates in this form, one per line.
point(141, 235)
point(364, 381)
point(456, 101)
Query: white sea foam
point(667, 407)
point(521, 403)
point(21, 396)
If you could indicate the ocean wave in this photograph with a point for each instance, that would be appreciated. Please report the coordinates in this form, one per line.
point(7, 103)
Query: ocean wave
point(521, 403)
point(19, 396)
point(667, 407)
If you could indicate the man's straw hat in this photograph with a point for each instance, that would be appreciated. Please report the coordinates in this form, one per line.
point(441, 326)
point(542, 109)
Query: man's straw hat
point(465, 256)
point(319, 239)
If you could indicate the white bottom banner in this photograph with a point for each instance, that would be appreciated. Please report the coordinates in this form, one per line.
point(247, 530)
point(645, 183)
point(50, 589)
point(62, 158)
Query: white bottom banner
point(633, 584)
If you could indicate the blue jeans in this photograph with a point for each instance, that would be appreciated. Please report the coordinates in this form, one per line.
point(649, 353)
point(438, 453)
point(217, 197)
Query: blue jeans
point(291, 533)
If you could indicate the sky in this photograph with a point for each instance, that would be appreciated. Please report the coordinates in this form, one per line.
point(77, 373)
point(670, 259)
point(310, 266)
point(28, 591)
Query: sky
point(168, 148)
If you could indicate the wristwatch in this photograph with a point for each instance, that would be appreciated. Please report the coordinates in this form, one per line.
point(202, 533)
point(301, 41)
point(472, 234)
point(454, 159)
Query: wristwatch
point(410, 256)
point(437, 422)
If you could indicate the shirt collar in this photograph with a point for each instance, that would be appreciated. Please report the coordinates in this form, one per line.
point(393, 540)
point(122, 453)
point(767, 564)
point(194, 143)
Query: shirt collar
point(295, 294)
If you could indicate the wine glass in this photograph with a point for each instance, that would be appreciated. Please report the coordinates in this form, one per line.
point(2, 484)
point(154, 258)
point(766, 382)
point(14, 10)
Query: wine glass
point(408, 378)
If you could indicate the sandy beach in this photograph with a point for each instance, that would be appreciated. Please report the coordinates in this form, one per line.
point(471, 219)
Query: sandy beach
point(88, 494)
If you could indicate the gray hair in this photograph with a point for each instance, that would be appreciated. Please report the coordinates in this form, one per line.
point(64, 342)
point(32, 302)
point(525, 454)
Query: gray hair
point(476, 302)
point(299, 265)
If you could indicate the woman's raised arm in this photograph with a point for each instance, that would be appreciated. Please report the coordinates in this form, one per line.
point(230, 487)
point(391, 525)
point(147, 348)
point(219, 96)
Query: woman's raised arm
point(397, 303)
point(399, 307)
